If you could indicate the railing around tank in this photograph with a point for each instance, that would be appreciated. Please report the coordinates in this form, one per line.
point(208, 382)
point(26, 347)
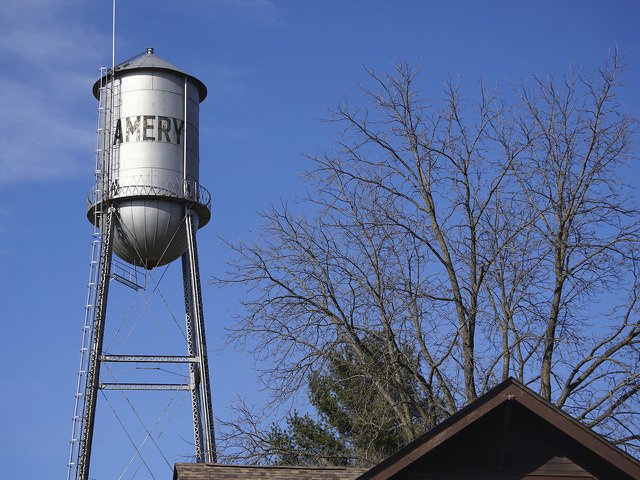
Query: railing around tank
point(150, 185)
point(145, 186)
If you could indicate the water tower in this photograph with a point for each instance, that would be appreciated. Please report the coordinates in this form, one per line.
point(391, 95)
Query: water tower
point(146, 206)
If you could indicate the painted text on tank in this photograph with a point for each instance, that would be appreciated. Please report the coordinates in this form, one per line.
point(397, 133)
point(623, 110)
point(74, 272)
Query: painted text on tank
point(148, 128)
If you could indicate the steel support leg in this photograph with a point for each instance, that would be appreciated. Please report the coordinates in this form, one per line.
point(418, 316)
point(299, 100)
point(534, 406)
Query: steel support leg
point(193, 368)
point(96, 346)
point(201, 394)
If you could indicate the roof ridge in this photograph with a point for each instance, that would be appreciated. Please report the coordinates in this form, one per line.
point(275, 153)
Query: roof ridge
point(283, 467)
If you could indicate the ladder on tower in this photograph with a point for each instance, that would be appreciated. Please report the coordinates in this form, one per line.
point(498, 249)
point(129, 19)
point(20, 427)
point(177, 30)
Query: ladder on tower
point(108, 98)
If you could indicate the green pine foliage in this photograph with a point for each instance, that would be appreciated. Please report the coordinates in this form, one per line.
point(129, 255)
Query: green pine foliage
point(355, 424)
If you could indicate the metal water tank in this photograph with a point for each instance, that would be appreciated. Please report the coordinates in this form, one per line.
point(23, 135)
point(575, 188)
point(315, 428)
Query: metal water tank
point(150, 168)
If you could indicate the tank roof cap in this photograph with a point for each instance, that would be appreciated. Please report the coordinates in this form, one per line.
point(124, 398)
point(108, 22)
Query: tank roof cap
point(149, 61)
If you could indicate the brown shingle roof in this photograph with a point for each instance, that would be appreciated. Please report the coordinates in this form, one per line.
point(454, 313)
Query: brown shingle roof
point(569, 445)
point(214, 471)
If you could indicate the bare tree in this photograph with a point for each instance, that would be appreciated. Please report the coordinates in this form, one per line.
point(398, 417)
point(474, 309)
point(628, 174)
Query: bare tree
point(493, 241)
point(587, 222)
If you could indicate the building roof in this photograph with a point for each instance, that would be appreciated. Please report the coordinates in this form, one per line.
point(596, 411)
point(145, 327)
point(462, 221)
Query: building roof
point(570, 439)
point(215, 471)
point(508, 433)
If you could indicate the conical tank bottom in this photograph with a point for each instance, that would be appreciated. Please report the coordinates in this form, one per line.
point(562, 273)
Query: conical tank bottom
point(149, 232)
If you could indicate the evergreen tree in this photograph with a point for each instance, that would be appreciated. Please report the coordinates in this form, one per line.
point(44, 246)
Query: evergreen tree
point(355, 424)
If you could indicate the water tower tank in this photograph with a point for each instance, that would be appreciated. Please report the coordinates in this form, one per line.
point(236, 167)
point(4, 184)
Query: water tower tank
point(151, 173)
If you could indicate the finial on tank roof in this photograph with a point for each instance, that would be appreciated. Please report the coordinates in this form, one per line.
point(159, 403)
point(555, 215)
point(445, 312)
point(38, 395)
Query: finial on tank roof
point(150, 51)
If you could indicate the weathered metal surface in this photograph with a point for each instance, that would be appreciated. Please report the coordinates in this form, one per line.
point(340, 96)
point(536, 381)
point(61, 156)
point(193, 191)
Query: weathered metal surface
point(153, 172)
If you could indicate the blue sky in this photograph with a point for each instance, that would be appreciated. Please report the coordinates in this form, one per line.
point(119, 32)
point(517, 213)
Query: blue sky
point(273, 69)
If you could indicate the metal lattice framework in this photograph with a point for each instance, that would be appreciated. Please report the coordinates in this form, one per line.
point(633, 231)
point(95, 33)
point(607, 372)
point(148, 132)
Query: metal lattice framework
point(103, 212)
point(102, 159)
